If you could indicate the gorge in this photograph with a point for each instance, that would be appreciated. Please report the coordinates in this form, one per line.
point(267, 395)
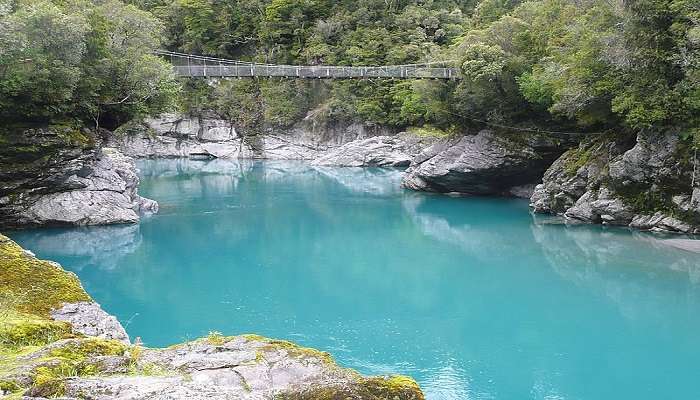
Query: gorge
point(525, 225)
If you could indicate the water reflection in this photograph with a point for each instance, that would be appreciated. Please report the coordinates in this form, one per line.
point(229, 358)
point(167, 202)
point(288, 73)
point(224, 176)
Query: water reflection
point(97, 247)
point(372, 181)
point(615, 263)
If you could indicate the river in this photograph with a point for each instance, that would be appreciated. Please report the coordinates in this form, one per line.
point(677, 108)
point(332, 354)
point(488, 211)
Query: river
point(474, 297)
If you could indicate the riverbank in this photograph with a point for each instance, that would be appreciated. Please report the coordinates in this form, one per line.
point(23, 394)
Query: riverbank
point(55, 341)
point(63, 176)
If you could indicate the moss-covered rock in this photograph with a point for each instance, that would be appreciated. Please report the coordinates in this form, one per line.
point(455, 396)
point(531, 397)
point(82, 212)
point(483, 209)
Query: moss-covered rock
point(375, 388)
point(32, 286)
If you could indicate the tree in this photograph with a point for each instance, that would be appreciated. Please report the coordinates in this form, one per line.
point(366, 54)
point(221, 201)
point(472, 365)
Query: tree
point(41, 51)
point(81, 61)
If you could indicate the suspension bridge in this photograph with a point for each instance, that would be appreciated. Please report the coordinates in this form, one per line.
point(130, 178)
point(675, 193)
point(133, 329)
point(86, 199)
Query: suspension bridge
point(190, 65)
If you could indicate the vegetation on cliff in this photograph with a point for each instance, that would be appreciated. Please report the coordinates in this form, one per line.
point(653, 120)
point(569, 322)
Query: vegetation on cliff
point(590, 65)
point(80, 60)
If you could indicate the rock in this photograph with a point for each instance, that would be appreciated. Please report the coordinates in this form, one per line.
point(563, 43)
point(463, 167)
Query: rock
point(582, 210)
point(660, 222)
point(483, 164)
point(106, 195)
point(564, 182)
point(640, 184)
point(380, 151)
point(59, 176)
point(650, 157)
point(522, 191)
point(242, 367)
point(175, 135)
point(88, 318)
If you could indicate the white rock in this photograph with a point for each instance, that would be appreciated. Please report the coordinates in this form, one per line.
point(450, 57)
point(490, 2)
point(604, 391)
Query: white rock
point(90, 319)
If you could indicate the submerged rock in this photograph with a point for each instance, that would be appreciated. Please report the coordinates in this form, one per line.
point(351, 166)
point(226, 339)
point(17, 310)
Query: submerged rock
point(58, 178)
point(645, 184)
point(483, 164)
point(65, 346)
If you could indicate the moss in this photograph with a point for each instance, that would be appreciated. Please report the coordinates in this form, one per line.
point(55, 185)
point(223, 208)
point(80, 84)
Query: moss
point(216, 338)
point(32, 286)
point(575, 159)
point(292, 349)
point(85, 348)
point(18, 330)
point(376, 388)
point(428, 131)
point(9, 386)
point(72, 134)
point(69, 360)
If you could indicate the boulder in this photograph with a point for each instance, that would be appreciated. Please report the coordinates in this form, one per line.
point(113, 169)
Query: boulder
point(379, 151)
point(106, 195)
point(483, 164)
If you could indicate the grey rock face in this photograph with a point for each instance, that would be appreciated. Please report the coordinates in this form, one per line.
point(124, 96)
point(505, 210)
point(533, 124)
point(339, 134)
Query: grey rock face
point(90, 319)
point(382, 151)
point(66, 179)
point(600, 206)
point(599, 182)
point(173, 135)
point(107, 194)
point(237, 368)
point(480, 164)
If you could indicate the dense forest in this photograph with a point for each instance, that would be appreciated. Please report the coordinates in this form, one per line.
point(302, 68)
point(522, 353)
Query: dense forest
point(583, 65)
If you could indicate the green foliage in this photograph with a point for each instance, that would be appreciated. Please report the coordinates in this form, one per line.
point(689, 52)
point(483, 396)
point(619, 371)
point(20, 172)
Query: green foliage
point(240, 102)
point(81, 59)
point(285, 102)
point(364, 32)
point(594, 63)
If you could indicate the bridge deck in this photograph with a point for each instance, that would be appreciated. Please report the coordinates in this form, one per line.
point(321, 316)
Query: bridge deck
point(316, 72)
point(191, 65)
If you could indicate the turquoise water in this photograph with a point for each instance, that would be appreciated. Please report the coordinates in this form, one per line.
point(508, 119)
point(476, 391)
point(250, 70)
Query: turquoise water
point(473, 297)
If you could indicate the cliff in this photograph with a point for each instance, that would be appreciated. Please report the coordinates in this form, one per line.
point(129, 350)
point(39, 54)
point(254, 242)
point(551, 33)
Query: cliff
point(55, 341)
point(61, 175)
point(651, 183)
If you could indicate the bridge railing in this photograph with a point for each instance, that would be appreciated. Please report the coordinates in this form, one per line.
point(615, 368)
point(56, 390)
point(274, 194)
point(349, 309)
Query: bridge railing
point(315, 72)
point(200, 66)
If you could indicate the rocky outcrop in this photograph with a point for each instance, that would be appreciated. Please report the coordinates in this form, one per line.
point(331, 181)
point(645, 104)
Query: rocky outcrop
point(646, 184)
point(175, 135)
point(56, 342)
point(172, 135)
point(482, 164)
point(381, 151)
point(52, 177)
point(89, 319)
